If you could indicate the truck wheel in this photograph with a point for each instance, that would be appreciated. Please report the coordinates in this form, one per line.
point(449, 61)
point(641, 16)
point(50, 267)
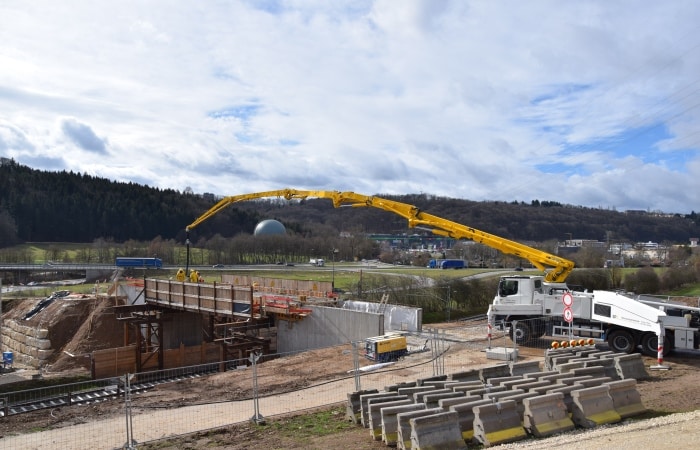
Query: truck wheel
point(621, 341)
point(539, 328)
point(520, 333)
point(650, 344)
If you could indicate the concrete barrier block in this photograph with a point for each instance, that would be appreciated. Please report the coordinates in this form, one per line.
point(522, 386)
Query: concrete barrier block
point(419, 397)
point(626, 399)
point(565, 390)
point(515, 384)
point(593, 406)
point(551, 354)
point(468, 375)
point(591, 382)
point(353, 408)
point(588, 352)
point(364, 398)
point(437, 384)
point(420, 381)
point(485, 390)
point(594, 371)
point(546, 415)
point(532, 385)
point(465, 412)
point(403, 425)
point(433, 400)
point(631, 366)
point(540, 374)
point(468, 389)
point(390, 432)
point(496, 381)
point(397, 386)
point(573, 380)
point(555, 377)
point(410, 391)
point(496, 396)
point(524, 367)
point(437, 431)
point(446, 403)
point(518, 399)
point(501, 370)
point(375, 415)
point(569, 366)
point(460, 384)
point(498, 423)
point(607, 364)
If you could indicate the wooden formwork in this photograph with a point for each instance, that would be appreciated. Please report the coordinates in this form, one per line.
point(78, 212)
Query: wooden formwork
point(223, 299)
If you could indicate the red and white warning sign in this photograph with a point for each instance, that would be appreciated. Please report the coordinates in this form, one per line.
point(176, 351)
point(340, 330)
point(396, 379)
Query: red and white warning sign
point(568, 315)
point(567, 299)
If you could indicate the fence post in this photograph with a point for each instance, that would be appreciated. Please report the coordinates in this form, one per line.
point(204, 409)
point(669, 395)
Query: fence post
point(257, 417)
point(130, 442)
point(356, 365)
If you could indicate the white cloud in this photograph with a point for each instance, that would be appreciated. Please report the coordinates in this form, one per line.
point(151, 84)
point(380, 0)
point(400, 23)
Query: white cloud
point(589, 103)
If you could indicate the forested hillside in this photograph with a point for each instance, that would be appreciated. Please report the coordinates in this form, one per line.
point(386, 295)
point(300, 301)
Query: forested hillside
point(71, 207)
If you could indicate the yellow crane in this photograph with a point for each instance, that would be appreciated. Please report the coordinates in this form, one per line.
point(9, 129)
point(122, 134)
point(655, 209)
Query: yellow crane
point(556, 269)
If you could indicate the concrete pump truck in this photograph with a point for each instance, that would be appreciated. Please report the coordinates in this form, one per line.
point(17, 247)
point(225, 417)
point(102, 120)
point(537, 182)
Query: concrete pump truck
point(536, 305)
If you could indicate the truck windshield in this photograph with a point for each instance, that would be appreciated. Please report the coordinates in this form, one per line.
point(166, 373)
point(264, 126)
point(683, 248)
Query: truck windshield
point(507, 287)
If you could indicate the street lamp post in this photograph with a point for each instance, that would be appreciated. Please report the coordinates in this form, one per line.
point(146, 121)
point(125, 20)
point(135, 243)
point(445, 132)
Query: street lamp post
point(335, 250)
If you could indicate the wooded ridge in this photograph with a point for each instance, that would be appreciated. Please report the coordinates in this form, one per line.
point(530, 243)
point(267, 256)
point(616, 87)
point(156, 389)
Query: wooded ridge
point(65, 206)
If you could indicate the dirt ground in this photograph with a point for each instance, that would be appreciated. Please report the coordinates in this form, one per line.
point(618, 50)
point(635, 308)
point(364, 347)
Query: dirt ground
point(667, 391)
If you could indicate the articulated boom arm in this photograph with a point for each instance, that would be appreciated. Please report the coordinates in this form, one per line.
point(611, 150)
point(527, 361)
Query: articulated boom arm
point(559, 268)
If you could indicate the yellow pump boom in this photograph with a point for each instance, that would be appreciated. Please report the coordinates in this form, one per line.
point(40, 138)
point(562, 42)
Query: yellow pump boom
point(556, 269)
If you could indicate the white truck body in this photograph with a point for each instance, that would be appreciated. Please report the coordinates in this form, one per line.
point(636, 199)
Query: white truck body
point(537, 309)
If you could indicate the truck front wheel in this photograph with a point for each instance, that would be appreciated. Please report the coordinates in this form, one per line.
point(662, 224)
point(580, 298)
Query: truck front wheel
point(621, 341)
point(520, 333)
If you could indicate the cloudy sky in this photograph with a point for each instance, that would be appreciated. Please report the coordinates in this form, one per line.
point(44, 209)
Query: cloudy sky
point(592, 103)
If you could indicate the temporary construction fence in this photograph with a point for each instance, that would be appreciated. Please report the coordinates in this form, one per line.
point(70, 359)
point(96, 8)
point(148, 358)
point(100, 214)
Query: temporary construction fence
point(125, 411)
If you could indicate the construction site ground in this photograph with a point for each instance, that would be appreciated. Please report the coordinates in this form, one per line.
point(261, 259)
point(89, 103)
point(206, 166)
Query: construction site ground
point(665, 392)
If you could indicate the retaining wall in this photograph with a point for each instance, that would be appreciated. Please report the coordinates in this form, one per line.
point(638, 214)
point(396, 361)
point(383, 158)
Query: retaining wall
point(326, 327)
point(29, 345)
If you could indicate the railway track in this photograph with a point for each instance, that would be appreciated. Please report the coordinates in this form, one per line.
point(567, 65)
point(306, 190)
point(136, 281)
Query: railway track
point(13, 403)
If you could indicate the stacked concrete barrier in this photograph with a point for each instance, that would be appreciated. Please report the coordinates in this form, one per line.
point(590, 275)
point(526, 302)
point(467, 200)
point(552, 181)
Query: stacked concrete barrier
point(505, 402)
point(468, 375)
point(364, 399)
point(375, 415)
point(433, 400)
point(546, 415)
point(626, 398)
point(502, 370)
point(390, 432)
point(593, 406)
point(524, 367)
point(353, 410)
point(403, 425)
point(631, 366)
point(397, 386)
point(498, 423)
point(421, 381)
point(437, 431)
point(465, 413)
point(608, 365)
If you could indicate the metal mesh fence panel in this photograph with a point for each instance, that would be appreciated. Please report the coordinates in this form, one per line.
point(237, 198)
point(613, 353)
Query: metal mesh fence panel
point(176, 402)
